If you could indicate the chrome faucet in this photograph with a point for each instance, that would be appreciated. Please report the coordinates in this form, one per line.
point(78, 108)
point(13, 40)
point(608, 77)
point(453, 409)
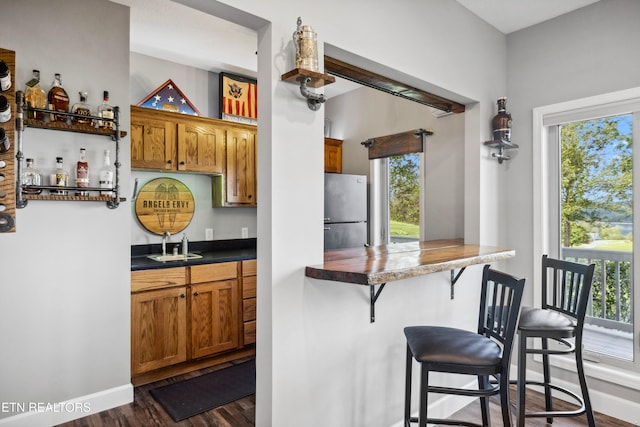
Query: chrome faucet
point(165, 237)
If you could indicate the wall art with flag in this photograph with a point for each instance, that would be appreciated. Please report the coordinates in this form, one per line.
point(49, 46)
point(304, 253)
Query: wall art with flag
point(169, 97)
point(238, 98)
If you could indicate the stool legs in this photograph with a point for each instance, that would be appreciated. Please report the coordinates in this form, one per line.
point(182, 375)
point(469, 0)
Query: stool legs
point(522, 379)
point(583, 387)
point(522, 382)
point(407, 389)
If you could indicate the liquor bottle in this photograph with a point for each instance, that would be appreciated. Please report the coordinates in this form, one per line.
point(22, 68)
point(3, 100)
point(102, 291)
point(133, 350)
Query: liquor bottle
point(58, 99)
point(5, 109)
point(31, 176)
point(35, 97)
point(4, 141)
point(5, 76)
point(82, 108)
point(105, 111)
point(501, 122)
point(60, 178)
point(82, 173)
point(106, 175)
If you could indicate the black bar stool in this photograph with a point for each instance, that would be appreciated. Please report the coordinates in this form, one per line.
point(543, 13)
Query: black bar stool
point(566, 288)
point(485, 353)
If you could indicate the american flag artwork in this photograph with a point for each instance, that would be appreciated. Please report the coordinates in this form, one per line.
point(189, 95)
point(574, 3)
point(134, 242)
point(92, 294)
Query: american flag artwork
point(169, 97)
point(239, 98)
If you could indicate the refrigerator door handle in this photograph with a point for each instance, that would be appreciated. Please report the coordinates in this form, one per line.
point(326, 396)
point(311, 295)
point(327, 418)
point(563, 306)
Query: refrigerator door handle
point(327, 219)
point(327, 228)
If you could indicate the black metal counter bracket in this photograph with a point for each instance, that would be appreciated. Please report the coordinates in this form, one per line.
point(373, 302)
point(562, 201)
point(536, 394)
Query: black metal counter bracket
point(454, 279)
point(374, 297)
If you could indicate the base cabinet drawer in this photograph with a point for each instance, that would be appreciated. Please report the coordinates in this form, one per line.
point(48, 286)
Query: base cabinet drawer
point(249, 332)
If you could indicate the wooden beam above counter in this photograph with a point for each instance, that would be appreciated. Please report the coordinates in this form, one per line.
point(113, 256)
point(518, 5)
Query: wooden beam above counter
point(371, 266)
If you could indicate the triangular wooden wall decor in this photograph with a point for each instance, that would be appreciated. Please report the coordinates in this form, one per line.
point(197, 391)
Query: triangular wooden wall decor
point(169, 97)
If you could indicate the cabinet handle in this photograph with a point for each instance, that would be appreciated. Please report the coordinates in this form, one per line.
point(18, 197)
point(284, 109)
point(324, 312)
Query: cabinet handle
point(195, 294)
point(169, 162)
point(182, 295)
point(250, 196)
point(182, 162)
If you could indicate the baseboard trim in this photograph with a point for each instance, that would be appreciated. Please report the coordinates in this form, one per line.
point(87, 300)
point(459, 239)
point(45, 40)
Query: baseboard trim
point(44, 414)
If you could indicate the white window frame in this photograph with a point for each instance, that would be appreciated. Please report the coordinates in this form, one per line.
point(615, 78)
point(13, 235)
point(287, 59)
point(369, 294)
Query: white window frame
point(544, 239)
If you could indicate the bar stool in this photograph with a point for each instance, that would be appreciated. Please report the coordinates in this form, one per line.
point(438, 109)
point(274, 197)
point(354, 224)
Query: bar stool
point(485, 353)
point(566, 288)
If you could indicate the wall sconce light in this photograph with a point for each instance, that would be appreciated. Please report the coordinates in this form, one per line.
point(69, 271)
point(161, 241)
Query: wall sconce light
point(501, 127)
point(306, 72)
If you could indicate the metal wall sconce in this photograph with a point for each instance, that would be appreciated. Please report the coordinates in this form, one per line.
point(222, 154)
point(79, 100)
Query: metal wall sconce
point(501, 127)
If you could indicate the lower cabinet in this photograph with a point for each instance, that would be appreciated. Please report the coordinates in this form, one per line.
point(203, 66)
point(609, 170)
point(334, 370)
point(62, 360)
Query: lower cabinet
point(158, 329)
point(185, 315)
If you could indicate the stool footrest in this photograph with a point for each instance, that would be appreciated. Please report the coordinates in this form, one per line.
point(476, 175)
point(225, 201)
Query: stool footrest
point(550, 414)
point(444, 422)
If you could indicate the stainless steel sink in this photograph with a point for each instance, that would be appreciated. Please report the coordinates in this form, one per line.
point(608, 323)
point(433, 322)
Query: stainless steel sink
point(171, 257)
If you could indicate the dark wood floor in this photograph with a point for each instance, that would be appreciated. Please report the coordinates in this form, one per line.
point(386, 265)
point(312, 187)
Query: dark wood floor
point(146, 412)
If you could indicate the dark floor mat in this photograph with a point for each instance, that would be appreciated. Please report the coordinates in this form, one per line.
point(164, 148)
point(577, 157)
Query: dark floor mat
point(197, 395)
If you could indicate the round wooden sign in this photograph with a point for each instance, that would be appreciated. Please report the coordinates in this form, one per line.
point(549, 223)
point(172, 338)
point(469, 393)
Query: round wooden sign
point(164, 204)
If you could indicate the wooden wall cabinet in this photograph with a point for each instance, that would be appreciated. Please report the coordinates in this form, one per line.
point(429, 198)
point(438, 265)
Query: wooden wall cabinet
point(332, 155)
point(183, 318)
point(240, 170)
point(167, 141)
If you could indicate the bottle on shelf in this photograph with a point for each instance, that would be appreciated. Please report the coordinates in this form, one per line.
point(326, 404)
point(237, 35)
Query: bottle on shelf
point(5, 109)
point(4, 141)
point(105, 111)
point(35, 97)
point(82, 108)
point(31, 176)
point(501, 123)
point(59, 178)
point(58, 99)
point(82, 173)
point(5, 76)
point(106, 175)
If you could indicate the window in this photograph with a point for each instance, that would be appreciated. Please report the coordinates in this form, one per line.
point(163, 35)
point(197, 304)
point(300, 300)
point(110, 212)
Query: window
point(584, 210)
point(404, 198)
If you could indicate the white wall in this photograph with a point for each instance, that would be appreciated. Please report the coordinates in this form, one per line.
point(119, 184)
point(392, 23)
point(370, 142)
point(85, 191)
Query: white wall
point(202, 88)
point(320, 361)
point(368, 113)
point(64, 273)
point(585, 53)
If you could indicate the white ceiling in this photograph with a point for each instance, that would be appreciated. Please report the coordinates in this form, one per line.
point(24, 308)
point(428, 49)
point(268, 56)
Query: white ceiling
point(174, 32)
point(513, 15)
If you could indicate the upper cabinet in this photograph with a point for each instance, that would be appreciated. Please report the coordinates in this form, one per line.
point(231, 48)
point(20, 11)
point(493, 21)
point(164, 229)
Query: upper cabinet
point(332, 155)
point(241, 168)
point(174, 142)
point(165, 141)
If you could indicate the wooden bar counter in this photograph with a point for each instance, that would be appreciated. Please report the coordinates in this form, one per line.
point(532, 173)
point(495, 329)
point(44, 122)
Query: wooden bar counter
point(371, 266)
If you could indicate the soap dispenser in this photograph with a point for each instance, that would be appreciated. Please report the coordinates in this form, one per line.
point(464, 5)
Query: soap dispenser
point(185, 245)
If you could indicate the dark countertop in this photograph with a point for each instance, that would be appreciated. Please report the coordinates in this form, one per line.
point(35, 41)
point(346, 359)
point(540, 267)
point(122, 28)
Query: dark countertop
point(214, 251)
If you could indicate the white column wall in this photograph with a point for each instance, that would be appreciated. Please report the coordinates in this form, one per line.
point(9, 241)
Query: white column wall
point(319, 358)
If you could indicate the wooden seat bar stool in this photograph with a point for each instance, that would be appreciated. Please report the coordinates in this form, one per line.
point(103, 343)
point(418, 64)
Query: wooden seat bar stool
point(484, 353)
point(566, 288)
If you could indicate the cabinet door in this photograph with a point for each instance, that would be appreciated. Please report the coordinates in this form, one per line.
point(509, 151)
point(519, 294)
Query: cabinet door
point(158, 329)
point(153, 143)
point(332, 155)
point(241, 167)
point(200, 148)
point(214, 317)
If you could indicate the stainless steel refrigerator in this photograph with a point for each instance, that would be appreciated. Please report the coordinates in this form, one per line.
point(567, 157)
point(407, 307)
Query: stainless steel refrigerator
point(345, 211)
